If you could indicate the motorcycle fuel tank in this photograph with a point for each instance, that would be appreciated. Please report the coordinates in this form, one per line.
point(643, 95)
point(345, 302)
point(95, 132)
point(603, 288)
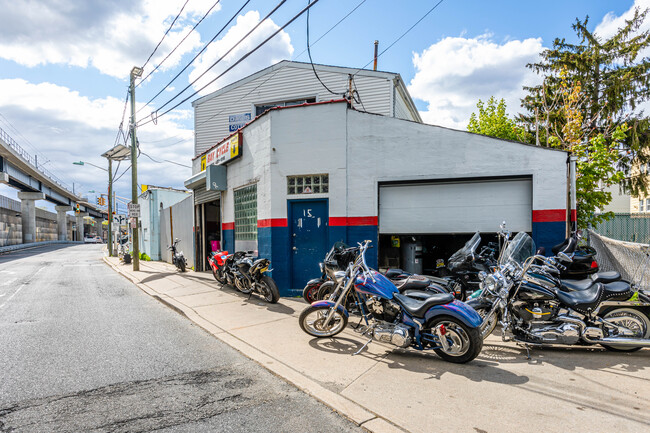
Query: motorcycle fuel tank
point(382, 286)
point(532, 292)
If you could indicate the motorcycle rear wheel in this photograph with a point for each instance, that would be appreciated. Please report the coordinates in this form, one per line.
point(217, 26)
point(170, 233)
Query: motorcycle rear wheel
point(312, 319)
point(242, 285)
point(181, 265)
point(270, 291)
point(632, 319)
point(465, 343)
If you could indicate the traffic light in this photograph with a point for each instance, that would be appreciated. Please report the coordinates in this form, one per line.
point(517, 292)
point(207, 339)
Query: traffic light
point(103, 201)
point(99, 201)
point(77, 209)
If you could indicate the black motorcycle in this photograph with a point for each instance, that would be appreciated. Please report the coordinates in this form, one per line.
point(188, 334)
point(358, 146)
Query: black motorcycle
point(178, 259)
point(583, 263)
point(464, 266)
point(248, 277)
point(535, 313)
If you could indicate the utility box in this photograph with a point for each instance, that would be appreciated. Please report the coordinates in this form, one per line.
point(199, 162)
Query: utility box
point(412, 256)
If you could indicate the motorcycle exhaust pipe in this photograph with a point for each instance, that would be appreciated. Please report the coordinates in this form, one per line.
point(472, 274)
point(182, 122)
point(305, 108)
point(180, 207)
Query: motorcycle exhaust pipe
point(628, 342)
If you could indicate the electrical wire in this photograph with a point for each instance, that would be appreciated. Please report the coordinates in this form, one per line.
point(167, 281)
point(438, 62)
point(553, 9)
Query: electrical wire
point(120, 128)
point(312, 62)
point(166, 160)
point(223, 56)
point(403, 34)
point(165, 35)
point(195, 57)
point(331, 28)
point(179, 44)
point(238, 61)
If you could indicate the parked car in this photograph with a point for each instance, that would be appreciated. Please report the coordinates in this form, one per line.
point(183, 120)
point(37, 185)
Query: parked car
point(93, 240)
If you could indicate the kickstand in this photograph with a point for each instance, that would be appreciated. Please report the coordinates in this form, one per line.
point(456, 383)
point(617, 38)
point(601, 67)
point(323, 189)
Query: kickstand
point(358, 324)
point(362, 347)
point(527, 351)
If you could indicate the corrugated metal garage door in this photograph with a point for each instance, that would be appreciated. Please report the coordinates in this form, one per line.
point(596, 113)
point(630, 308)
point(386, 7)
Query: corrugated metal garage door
point(203, 196)
point(455, 207)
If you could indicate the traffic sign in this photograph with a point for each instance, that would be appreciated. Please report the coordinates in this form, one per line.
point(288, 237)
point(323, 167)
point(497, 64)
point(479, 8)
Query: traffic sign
point(119, 219)
point(134, 210)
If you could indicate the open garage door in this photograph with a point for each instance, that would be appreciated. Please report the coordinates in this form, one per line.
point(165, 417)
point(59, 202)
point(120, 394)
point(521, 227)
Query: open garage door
point(455, 207)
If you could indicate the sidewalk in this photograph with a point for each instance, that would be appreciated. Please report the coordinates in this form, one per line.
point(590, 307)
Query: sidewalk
point(385, 389)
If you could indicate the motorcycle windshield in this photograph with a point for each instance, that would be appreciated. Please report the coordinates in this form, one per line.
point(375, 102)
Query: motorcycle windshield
point(463, 254)
point(519, 249)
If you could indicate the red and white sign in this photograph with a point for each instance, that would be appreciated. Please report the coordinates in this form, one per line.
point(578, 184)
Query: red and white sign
point(226, 151)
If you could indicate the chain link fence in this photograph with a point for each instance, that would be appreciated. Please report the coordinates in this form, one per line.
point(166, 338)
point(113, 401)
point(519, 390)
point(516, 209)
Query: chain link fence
point(631, 259)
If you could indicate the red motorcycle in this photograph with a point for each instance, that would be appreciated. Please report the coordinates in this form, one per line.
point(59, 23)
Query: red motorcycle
point(217, 261)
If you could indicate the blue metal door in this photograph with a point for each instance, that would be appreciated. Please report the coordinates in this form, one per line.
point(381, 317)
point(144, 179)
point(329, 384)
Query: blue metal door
point(309, 220)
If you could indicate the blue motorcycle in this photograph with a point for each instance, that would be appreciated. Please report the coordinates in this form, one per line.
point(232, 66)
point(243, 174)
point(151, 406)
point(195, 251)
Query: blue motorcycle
point(438, 322)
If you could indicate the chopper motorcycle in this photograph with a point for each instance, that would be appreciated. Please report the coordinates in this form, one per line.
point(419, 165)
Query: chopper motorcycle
point(535, 314)
point(438, 322)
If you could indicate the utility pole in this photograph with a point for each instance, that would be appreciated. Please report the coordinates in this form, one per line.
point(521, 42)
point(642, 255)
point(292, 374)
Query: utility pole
point(110, 208)
point(135, 73)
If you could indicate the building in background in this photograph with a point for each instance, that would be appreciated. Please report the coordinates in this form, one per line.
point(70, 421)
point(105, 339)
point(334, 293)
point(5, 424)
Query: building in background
point(151, 202)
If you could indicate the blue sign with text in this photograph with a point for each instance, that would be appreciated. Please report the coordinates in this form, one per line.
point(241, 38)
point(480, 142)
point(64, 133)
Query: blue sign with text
point(236, 121)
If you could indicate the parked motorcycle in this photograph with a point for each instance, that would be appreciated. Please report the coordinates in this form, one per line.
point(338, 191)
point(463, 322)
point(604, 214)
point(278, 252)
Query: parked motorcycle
point(464, 265)
point(439, 322)
point(178, 259)
point(583, 263)
point(531, 312)
point(248, 277)
point(217, 261)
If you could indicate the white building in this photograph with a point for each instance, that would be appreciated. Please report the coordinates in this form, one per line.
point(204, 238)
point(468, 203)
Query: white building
point(296, 179)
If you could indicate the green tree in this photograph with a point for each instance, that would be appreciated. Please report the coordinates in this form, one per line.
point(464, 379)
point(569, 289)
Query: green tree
point(492, 120)
point(596, 153)
point(614, 79)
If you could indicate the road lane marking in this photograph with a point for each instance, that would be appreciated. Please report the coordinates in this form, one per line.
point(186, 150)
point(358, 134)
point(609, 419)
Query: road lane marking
point(20, 288)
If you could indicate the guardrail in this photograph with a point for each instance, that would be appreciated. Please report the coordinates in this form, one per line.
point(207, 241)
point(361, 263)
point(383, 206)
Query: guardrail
point(30, 160)
point(7, 203)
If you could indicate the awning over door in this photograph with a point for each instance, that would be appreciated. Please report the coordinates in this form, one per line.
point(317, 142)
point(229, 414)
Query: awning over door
point(455, 207)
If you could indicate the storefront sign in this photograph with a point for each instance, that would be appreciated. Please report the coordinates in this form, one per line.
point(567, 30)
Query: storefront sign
point(236, 121)
point(226, 151)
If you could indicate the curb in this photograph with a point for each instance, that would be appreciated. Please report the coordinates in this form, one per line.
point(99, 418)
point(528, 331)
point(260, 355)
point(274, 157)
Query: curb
point(351, 410)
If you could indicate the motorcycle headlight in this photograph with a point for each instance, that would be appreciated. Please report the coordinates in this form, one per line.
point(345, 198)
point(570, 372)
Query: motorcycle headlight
point(490, 283)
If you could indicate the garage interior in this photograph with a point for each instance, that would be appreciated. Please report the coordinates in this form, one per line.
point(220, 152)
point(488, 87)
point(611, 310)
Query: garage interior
point(445, 218)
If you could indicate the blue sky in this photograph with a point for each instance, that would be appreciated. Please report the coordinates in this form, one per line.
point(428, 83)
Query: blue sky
point(64, 65)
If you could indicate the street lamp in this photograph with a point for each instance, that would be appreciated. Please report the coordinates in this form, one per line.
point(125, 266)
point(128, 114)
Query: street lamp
point(89, 163)
point(117, 153)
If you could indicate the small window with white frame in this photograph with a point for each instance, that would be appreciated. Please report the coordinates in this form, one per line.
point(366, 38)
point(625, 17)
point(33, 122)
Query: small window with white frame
point(308, 184)
point(641, 203)
point(647, 204)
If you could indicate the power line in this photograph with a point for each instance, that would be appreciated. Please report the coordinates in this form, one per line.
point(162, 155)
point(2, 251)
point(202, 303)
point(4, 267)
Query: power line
point(179, 44)
point(403, 34)
point(224, 55)
point(310, 59)
point(119, 130)
point(240, 60)
point(277, 70)
point(195, 57)
point(165, 35)
point(165, 160)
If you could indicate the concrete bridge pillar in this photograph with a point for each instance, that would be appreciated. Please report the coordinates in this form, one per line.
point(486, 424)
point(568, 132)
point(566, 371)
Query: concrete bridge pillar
point(62, 221)
point(80, 225)
point(28, 211)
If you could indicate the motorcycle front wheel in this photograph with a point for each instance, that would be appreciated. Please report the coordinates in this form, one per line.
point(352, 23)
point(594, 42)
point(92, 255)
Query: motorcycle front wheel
point(218, 276)
point(312, 321)
point(269, 289)
point(463, 343)
point(181, 265)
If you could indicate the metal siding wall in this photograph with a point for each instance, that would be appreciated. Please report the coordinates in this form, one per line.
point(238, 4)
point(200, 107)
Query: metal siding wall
point(211, 116)
point(183, 221)
point(203, 196)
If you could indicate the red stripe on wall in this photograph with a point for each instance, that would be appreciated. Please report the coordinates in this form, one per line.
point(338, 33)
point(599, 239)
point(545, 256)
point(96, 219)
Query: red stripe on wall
point(574, 215)
point(272, 222)
point(354, 221)
point(228, 226)
point(549, 215)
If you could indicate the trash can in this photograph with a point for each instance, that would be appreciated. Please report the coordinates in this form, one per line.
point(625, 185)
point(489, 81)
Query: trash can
point(127, 258)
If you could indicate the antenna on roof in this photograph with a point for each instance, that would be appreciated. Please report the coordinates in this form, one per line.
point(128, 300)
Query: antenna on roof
point(374, 67)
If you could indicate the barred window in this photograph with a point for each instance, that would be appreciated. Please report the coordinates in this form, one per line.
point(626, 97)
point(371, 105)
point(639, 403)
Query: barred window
point(246, 213)
point(309, 184)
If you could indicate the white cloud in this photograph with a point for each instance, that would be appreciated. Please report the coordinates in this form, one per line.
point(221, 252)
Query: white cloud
point(66, 126)
point(110, 36)
point(276, 49)
point(454, 73)
point(611, 23)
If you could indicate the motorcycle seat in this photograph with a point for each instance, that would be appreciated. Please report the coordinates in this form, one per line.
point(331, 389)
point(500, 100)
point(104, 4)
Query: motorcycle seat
point(577, 285)
point(393, 273)
point(617, 291)
point(606, 277)
point(582, 300)
point(411, 284)
point(418, 308)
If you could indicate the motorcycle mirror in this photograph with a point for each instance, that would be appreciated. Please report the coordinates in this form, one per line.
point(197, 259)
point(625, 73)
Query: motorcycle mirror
point(564, 257)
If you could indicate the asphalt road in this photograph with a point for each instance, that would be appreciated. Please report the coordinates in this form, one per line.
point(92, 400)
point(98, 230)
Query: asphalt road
point(83, 349)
